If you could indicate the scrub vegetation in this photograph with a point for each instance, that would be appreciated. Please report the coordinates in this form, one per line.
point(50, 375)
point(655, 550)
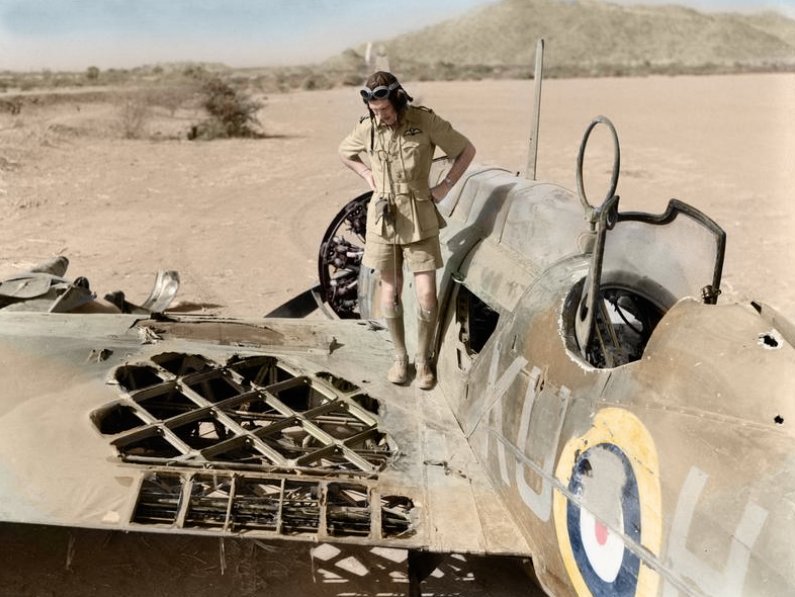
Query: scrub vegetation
point(584, 39)
point(194, 102)
point(232, 113)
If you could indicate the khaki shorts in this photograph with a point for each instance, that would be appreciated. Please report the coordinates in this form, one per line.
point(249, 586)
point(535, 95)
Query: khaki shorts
point(423, 256)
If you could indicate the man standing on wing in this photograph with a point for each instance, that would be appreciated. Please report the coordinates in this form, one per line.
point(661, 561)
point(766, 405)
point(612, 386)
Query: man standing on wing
point(402, 220)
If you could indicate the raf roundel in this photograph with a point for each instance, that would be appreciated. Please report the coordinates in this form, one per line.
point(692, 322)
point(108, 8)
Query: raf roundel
point(602, 558)
point(610, 507)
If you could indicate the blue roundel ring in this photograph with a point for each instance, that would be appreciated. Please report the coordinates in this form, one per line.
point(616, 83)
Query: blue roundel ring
point(625, 582)
point(613, 470)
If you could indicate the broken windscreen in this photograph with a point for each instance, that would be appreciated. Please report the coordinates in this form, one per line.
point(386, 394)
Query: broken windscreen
point(641, 265)
point(664, 257)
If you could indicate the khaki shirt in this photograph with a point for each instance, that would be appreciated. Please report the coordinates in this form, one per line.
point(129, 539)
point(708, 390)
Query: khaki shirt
point(400, 159)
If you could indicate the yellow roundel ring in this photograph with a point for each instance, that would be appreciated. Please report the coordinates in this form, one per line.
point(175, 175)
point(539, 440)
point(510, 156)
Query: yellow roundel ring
point(596, 557)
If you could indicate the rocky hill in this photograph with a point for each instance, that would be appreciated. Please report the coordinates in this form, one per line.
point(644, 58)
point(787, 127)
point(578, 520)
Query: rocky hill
point(583, 38)
point(591, 37)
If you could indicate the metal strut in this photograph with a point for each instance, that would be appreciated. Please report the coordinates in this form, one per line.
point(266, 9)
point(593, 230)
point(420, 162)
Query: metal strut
point(538, 76)
point(421, 564)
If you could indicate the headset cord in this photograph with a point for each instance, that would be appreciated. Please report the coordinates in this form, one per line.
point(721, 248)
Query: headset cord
point(391, 205)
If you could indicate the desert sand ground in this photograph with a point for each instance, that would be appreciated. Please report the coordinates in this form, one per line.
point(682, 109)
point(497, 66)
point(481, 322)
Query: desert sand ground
point(241, 220)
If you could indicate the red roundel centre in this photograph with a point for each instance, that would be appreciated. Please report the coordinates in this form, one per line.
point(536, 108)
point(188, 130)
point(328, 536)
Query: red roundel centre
point(601, 533)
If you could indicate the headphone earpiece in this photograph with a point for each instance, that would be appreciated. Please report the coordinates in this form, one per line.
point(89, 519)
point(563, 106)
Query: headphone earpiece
point(402, 99)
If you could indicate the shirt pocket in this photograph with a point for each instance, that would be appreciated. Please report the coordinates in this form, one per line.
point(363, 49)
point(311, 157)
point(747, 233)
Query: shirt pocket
point(426, 215)
point(412, 154)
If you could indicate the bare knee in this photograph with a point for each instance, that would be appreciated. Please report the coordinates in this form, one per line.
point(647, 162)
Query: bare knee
point(425, 283)
point(391, 287)
point(427, 303)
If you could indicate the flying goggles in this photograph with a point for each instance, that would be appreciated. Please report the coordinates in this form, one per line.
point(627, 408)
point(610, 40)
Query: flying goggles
point(380, 92)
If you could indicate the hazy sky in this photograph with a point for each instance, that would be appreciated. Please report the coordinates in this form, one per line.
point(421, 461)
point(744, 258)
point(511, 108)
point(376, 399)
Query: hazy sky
point(75, 34)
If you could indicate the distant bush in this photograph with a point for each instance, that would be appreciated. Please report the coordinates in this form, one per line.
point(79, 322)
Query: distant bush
point(13, 106)
point(134, 113)
point(232, 113)
point(352, 79)
point(173, 96)
point(313, 82)
point(195, 71)
point(114, 76)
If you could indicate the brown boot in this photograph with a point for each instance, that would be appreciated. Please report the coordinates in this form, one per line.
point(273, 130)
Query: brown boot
point(399, 371)
point(425, 377)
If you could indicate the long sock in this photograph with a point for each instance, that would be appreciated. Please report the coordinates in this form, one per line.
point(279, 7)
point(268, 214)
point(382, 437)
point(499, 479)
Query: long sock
point(426, 325)
point(393, 316)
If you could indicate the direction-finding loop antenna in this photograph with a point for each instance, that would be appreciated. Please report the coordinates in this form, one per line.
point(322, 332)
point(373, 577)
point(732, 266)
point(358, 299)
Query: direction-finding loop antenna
point(589, 209)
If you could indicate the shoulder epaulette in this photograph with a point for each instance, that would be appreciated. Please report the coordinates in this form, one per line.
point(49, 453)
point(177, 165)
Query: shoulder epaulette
point(424, 109)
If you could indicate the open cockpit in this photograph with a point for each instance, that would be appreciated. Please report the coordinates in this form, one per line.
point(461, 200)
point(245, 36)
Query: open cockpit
point(641, 265)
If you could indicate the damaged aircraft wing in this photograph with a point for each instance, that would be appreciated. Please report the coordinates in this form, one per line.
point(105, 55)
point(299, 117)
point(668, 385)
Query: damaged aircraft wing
point(268, 429)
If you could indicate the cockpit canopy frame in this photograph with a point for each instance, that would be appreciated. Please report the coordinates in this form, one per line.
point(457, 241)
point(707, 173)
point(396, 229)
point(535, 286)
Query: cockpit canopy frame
point(641, 265)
